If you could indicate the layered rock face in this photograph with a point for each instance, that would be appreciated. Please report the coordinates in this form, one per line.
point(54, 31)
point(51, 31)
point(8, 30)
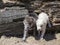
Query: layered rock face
point(12, 10)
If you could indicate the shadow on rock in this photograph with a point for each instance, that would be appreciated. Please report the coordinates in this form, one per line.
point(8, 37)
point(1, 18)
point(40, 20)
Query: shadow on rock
point(50, 36)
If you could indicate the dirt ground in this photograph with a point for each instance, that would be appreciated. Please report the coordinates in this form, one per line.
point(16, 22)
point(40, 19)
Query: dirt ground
point(49, 39)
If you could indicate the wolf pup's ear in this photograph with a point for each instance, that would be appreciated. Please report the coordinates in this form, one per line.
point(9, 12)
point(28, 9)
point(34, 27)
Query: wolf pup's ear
point(26, 16)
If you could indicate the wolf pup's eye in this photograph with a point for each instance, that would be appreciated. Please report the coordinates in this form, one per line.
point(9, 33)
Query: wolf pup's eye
point(41, 25)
